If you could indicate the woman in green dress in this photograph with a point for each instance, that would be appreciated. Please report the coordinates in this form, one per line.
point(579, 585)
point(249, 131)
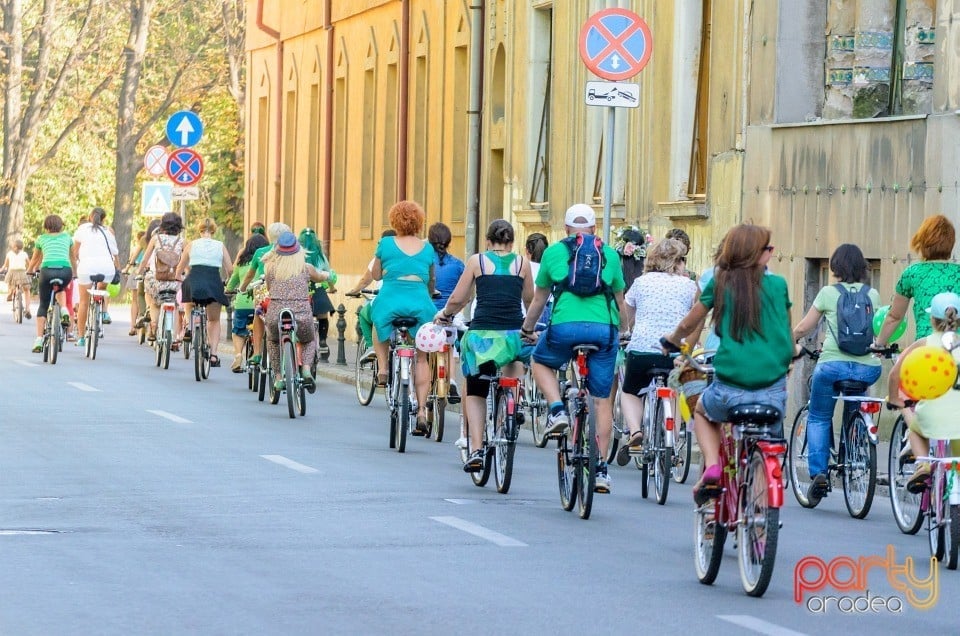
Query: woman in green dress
point(405, 265)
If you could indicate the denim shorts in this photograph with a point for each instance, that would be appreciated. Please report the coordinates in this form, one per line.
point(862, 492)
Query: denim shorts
point(719, 398)
point(555, 349)
point(242, 319)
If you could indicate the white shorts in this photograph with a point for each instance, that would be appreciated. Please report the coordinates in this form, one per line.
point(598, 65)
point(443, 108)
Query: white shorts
point(85, 271)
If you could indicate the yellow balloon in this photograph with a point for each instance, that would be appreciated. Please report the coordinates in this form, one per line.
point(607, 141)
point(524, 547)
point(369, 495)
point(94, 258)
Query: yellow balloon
point(927, 372)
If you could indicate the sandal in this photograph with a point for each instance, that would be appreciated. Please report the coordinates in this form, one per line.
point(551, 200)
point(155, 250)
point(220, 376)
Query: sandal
point(152, 337)
point(421, 428)
point(187, 336)
point(132, 332)
point(214, 360)
point(308, 382)
point(382, 379)
point(175, 346)
point(636, 439)
point(707, 487)
point(474, 463)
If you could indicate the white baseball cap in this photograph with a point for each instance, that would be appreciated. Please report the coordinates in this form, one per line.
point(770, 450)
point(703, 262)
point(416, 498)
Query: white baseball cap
point(580, 211)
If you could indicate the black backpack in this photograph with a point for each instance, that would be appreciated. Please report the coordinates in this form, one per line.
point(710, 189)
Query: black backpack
point(854, 333)
point(585, 266)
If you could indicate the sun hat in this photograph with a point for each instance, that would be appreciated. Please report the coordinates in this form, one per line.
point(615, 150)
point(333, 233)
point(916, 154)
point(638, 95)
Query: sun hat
point(580, 211)
point(287, 243)
point(940, 303)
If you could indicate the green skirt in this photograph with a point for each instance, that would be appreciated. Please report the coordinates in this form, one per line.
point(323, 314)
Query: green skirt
point(479, 346)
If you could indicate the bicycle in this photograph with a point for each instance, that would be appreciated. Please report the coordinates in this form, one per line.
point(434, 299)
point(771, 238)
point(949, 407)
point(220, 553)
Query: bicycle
point(290, 363)
point(855, 457)
point(165, 327)
point(577, 452)
point(17, 305)
point(94, 326)
point(534, 406)
point(439, 392)
point(500, 431)
point(53, 335)
point(366, 368)
point(683, 435)
point(748, 498)
point(901, 465)
point(940, 503)
point(400, 374)
point(198, 339)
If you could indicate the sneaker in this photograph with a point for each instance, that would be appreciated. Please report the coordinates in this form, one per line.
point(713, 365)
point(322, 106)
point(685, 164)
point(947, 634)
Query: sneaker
point(278, 385)
point(453, 394)
point(322, 348)
point(64, 318)
point(254, 360)
point(81, 342)
point(920, 480)
point(38, 345)
point(308, 382)
point(71, 336)
point(817, 489)
point(602, 485)
point(461, 442)
point(474, 463)
point(557, 423)
point(105, 318)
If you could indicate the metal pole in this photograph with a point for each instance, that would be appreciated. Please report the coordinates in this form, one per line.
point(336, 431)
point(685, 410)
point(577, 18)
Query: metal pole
point(608, 173)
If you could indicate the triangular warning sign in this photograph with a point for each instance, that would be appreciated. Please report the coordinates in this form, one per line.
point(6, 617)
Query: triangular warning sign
point(158, 204)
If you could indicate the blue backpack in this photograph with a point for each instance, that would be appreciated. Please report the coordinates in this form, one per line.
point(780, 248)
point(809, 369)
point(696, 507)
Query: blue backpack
point(586, 265)
point(854, 333)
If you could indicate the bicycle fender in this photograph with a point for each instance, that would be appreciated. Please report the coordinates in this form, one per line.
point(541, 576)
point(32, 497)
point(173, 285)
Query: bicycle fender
point(772, 465)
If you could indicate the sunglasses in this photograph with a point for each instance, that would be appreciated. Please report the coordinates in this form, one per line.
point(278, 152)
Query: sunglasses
point(769, 248)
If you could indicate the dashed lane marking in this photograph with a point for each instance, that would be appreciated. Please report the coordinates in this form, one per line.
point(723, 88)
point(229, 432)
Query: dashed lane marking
point(289, 463)
point(84, 387)
point(760, 626)
point(170, 416)
point(26, 363)
point(461, 502)
point(492, 536)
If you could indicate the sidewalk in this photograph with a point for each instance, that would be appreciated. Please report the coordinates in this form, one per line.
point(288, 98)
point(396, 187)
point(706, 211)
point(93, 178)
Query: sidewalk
point(344, 373)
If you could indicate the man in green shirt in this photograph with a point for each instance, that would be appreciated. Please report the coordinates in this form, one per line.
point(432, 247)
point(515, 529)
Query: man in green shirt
point(578, 320)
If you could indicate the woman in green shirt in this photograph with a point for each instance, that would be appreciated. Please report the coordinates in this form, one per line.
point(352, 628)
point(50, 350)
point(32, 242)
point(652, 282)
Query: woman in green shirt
point(751, 314)
point(52, 254)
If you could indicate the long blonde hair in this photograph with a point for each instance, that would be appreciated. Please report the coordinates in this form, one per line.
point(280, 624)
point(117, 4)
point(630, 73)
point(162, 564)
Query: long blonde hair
point(284, 266)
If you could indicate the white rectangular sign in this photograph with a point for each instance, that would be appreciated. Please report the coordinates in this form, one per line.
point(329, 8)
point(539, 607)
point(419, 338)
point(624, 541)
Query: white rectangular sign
point(185, 193)
point(618, 94)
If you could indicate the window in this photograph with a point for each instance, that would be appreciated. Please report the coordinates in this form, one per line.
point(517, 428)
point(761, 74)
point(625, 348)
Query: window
point(339, 156)
point(369, 138)
point(314, 144)
point(390, 144)
point(290, 159)
point(263, 156)
point(697, 178)
point(461, 121)
point(541, 68)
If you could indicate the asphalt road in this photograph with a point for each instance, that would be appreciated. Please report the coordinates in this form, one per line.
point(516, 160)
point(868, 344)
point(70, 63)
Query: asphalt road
point(137, 501)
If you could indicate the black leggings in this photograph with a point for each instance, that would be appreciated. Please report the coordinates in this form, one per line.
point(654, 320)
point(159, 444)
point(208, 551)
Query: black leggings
point(46, 275)
point(478, 387)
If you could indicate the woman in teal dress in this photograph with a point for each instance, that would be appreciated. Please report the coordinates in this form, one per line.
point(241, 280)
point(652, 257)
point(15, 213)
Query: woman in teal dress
point(405, 265)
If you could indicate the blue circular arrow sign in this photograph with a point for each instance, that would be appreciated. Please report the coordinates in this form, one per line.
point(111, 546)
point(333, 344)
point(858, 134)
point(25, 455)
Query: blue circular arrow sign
point(184, 129)
point(615, 44)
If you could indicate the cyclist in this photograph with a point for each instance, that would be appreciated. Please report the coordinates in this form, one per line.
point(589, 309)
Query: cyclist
point(752, 317)
point(448, 269)
point(15, 264)
point(243, 303)
point(206, 257)
point(577, 320)
point(405, 265)
point(502, 279)
point(366, 282)
point(921, 281)
point(52, 254)
point(850, 268)
point(131, 285)
point(534, 248)
point(655, 303)
point(935, 418)
point(319, 298)
point(95, 252)
point(168, 240)
point(288, 276)
point(256, 271)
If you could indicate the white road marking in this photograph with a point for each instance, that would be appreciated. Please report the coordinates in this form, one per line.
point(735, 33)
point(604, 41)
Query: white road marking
point(7, 533)
point(461, 502)
point(26, 364)
point(501, 540)
point(83, 387)
point(289, 463)
point(170, 416)
point(760, 626)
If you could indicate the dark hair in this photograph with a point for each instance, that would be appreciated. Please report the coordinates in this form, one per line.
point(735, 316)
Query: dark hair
point(53, 224)
point(500, 232)
point(740, 273)
point(439, 236)
point(171, 224)
point(680, 235)
point(151, 229)
point(848, 264)
point(254, 243)
point(389, 232)
point(536, 244)
point(97, 216)
point(258, 228)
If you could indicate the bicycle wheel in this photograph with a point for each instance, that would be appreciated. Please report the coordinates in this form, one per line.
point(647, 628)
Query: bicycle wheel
point(289, 357)
point(55, 331)
point(93, 339)
point(758, 530)
point(589, 455)
point(247, 354)
point(642, 460)
point(859, 467)
point(708, 539)
point(797, 466)
point(504, 442)
point(263, 373)
point(937, 536)
point(953, 545)
point(301, 397)
point(437, 416)
point(165, 348)
point(616, 435)
point(682, 453)
point(901, 465)
point(404, 414)
point(662, 455)
point(158, 348)
point(536, 407)
point(481, 477)
point(197, 345)
point(566, 472)
point(365, 375)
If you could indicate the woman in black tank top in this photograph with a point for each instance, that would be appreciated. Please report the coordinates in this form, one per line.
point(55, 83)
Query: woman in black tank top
point(503, 284)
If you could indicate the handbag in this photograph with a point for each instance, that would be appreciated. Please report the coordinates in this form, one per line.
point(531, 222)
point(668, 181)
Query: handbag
point(116, 271)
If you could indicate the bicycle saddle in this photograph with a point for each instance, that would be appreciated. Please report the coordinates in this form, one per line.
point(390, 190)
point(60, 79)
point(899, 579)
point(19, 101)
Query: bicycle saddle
point(167, 296)
point(754, 414)
point(56, 282)
point(851, 387)
point(586, 347)
point(405, 322)
point(97, 278)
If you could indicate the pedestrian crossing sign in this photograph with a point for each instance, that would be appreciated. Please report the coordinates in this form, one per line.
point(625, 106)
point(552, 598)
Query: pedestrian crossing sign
point(157, 198)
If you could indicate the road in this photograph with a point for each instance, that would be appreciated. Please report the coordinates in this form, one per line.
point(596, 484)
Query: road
point(138, 501)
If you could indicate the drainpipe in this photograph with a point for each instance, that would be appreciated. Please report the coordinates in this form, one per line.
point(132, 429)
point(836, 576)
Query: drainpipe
point(473, 113)
point(275, 34)
point(328, 137)
point(404, 97)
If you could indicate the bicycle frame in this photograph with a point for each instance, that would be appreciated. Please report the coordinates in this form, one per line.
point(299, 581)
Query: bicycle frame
point(735, 448)
point(287, 325)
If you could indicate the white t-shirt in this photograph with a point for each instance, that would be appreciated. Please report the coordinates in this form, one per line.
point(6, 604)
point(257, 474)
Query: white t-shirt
point(661, 301)
point(98, 246)
point(17, 260)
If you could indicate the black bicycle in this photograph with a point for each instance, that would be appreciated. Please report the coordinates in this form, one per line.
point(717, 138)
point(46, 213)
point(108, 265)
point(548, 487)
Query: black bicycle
point(577, 452)
point(53, 331)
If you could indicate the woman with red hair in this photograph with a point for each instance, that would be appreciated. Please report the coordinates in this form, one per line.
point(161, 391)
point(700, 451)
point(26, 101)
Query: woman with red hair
point(405, 264)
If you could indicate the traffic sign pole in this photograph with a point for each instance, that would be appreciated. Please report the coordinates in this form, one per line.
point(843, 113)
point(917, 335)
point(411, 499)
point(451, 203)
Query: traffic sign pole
point(608, 177)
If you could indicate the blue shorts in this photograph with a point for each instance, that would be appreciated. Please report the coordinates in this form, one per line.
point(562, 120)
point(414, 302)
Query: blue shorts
point(242, 319)
point(555, 349)
point(719, 398)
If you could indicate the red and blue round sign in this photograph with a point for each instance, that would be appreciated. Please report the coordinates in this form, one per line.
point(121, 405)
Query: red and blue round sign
point(615, 44)
point(184, 167)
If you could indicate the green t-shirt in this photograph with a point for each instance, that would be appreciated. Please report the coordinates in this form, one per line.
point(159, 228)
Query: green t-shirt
point(921, 282)
point(256, 263)
point(826, 304)
point(568, 307)
point(763, 357)
point(242, 300)
point(55, 248)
